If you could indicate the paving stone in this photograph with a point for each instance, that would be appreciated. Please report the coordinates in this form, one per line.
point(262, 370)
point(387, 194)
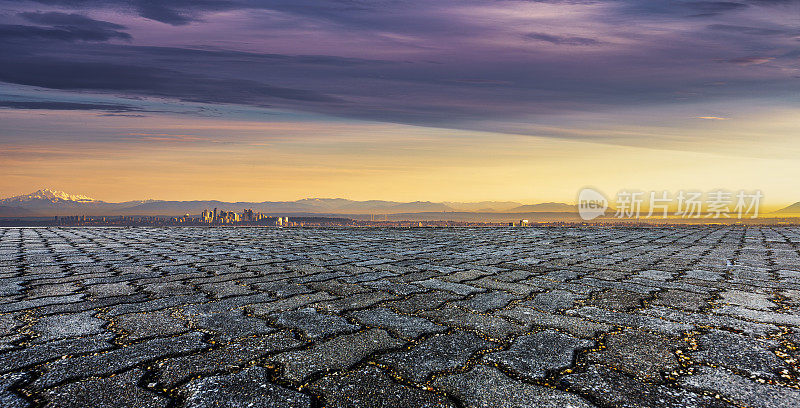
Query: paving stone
point(467, 275)
point(336, 288)
point(369, 387)
point(225, 289)
point(421, 301)
point(552, 301)
point(620, 286)
point(110, 289)
point(117, 391)
point(457, 288)
point(484, 302)
point(632, 320)
point(409, 327)
point(283, 289)
point(227, 325)
point(533, 356)
point(313, 324)
point(750, 300)
point(656, 275)
point(39, 302)
point(249, 387)
point(228, 357)
point(90, 304)
point(60, 289)
point(156, 304)
point(9, 398)
point(752, 357)
point(56, 327)
point(574, 325)
point(9, 288)
point(138, 326)
point(640, 354)
point(760, 316)
point(741, 389)
point(680, 299)
point(716, 321)
point(290, 303)
point(116, 360)
point(614, 389)
point(492, 326)
point(164, 289)
point(338, 353)
point(487, 387)
point(515, 288)
point(225, 305)
point(703, 275)
point(437, 353)
point(353, 302)
point(539, 285)
point(41, 353)
point(395, 288)
point(619, 300)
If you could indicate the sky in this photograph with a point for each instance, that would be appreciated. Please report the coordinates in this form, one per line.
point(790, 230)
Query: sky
point(439, 100)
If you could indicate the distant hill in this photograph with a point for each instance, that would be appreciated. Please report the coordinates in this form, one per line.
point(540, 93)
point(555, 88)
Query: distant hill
point(545, 207)
point(15, 212)
point(792, 209)
point(47, 202)
point(483, 206)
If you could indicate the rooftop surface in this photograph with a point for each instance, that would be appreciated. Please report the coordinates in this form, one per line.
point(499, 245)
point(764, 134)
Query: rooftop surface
point(525, 317)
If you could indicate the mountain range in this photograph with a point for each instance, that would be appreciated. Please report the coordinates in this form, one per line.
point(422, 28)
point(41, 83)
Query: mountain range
point(47, 202)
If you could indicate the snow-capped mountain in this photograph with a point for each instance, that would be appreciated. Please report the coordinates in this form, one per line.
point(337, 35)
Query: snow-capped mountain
point(47, 202)
point(47, 194)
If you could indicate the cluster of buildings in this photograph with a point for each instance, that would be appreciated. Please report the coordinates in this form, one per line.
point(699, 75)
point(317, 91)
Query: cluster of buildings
point(248, 216)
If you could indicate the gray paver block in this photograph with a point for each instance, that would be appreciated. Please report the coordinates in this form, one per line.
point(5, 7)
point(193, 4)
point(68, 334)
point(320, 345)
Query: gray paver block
point(492, 326)
point(338, 353)
point(369, 387)
point(487, 387)
point(56, 327)
point(404, 325)
point(117, 359)
point(641, 354)
point(574, 325)
point(741, 389)
point(138, 326)
point(750, 356)
point(437, 353)
point(750, 300)
point(226, 358)
point(552, 301)
point(313, 324)
point(633, 320)
point(614, 389)
point(8, 398)
point(533, 356)
point(249, 387)
point(117, 391)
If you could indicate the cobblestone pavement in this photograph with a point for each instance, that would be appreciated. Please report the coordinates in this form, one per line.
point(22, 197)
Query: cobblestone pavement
point(526, 317)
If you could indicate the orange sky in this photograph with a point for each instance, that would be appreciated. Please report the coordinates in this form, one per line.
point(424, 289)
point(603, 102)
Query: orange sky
point(172, 158)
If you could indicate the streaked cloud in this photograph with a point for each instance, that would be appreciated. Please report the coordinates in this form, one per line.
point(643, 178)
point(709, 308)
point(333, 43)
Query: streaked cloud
point(375, 90)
